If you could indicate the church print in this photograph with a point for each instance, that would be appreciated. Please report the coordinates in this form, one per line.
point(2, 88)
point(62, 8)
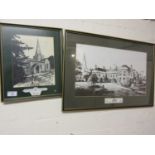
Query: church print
point(33, 61)
point(38, 64)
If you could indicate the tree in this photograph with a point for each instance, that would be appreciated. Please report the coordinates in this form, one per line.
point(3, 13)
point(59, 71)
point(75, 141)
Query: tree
point(78, 64)
point(94, 79)
point(17, 49)
point(86, 77)
point(106, 78)
point(51, 59)
point(77, 72)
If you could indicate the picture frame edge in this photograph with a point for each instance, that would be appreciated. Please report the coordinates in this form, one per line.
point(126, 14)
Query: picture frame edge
point(30, 98)
point(108, 108)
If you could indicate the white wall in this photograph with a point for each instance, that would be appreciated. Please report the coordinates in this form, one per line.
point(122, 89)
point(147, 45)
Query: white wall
point(46, 116)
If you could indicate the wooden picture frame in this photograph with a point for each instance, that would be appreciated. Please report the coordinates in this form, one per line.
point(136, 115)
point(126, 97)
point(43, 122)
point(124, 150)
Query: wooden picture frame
point(31, 63)
point(102, 72)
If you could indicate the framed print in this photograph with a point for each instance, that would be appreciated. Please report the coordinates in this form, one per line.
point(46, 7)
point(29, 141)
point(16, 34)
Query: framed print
point(30, 62)
point(104, 72)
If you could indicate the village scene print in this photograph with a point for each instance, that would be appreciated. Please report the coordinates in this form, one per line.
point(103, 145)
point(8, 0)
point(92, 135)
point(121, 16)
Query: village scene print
point(33, 61)
point(104, 71)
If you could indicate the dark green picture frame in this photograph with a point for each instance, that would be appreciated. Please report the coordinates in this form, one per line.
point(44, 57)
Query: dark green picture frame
point(75, 102)
point(7, 31)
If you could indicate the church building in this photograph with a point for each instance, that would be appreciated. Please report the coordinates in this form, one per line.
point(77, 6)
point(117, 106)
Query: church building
point(38, 64)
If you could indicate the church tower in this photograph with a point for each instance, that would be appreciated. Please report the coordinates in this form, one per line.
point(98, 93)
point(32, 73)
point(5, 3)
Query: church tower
point(38, 56)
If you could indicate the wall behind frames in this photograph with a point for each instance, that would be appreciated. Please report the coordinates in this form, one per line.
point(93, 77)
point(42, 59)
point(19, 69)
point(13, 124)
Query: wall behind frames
point(46, 116)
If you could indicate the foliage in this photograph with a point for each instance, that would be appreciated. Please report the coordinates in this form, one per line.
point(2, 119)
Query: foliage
point(78, 64)
point(94, 79)
point(52, 61)
point(17, 49)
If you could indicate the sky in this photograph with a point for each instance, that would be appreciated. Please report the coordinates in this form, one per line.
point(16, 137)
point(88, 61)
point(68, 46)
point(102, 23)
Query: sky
point(46, 45)
point(105, 56)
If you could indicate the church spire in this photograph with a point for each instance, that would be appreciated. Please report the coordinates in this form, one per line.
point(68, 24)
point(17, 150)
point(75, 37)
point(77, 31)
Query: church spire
point(38, 56)
point(38, 51)
point(84, 62)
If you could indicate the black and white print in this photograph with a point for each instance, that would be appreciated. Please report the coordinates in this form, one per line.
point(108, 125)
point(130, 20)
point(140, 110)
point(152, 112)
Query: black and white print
point(104, 71)
point(33, 61)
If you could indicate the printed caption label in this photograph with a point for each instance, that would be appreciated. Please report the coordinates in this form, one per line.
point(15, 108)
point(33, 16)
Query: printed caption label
point(113, 100)
point(12, 93)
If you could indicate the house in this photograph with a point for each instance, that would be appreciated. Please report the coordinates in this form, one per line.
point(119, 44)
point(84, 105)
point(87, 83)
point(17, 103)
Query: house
point(100, 73)
point(112, 74)
point(124, 75)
